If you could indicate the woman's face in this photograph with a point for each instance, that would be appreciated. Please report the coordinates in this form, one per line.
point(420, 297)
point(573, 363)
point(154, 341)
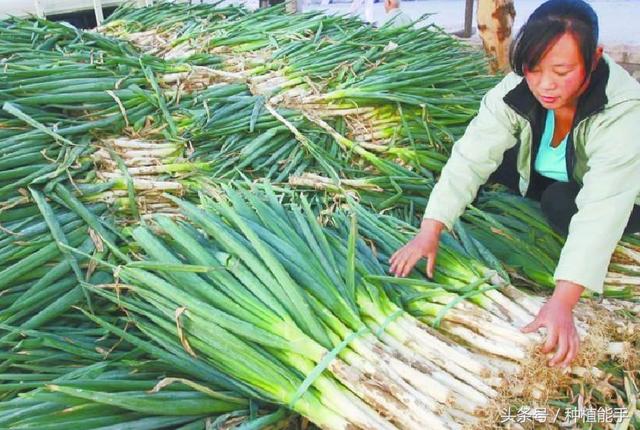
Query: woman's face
point(559, 78)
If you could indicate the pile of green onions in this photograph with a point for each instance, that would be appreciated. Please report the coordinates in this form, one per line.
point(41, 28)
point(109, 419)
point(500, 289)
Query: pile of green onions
point(119, 207)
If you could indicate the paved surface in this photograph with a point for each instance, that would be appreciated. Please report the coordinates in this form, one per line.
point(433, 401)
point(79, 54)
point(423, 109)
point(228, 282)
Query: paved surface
point(619, 19)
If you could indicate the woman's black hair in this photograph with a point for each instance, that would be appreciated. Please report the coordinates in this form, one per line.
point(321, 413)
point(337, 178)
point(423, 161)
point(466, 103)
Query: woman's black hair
point(547, 24)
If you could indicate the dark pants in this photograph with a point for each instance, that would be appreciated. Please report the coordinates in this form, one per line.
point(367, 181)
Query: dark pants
point(557, 199)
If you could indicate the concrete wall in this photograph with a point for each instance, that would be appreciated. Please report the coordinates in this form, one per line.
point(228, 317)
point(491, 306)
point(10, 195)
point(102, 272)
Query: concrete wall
point(628, 56)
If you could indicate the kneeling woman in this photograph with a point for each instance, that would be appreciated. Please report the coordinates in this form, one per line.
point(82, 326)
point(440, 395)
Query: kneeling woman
point(563, 128)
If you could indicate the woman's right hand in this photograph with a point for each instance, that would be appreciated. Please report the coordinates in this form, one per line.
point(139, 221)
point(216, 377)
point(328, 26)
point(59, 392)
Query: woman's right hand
point(424, 244)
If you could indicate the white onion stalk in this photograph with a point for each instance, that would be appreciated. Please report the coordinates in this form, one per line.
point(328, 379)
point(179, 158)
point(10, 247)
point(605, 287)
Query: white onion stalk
point(421, 381)
point(467, 397)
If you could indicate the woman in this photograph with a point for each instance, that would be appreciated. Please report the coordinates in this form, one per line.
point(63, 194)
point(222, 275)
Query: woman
point(563, 128)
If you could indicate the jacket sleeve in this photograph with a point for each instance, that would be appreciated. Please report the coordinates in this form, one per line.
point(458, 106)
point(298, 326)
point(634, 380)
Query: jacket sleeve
point(475, 156)
point(610, 188)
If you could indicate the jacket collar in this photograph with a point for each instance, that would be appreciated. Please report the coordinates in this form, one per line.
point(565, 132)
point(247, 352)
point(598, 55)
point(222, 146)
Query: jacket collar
point(593, 100)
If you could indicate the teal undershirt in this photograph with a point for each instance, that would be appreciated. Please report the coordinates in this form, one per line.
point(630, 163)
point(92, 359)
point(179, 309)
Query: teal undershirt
point(550, 161)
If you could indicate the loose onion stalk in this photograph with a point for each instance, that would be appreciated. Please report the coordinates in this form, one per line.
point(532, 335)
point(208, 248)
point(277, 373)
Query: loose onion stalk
point(403, 197)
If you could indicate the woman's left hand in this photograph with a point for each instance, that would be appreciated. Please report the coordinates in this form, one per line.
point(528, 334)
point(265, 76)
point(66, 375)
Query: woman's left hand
point(557, 317)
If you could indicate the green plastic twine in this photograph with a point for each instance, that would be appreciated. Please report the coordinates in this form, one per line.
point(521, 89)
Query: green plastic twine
point(436, 322)
point(324, 363)
point(391, 318)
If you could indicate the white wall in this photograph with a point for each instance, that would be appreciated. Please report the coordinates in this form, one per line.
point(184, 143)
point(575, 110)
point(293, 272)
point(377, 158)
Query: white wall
point(16, 7)
point(49, 7)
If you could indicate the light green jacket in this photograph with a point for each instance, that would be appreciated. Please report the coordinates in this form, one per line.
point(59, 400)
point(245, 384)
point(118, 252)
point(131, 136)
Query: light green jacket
point(397, 18)
point(604, 158)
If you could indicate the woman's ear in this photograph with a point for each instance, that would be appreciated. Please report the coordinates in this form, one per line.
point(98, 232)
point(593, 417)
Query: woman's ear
point(597, 57)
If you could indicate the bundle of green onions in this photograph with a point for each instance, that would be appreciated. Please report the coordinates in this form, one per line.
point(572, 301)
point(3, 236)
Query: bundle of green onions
point(487, 321)
point(460, 264)
point(169, 30)
point(399, 92)
point(39, 277)
point(514, 229)
point(43, 141)
point(500, 228)
point(241, 136)
point(76, 376)
point(245, 290)
point(133, 174)
point(257, 257)
point(32, 358)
